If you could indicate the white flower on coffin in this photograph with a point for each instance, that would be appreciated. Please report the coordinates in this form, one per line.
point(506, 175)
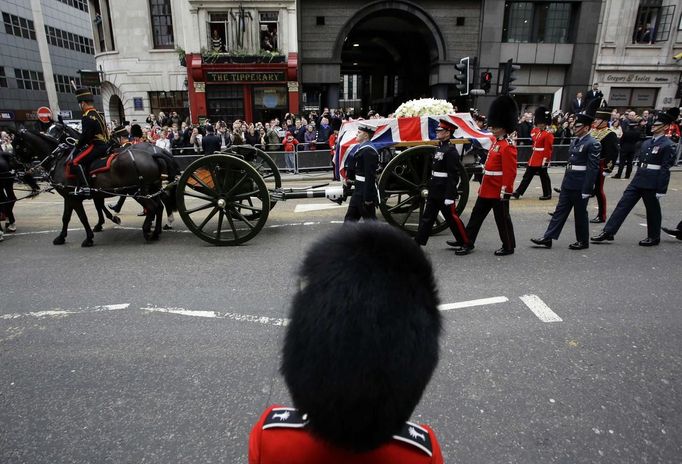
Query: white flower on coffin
point(424, 107)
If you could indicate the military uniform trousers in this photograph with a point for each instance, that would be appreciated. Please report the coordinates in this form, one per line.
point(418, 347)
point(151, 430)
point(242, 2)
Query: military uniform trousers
point(570, 199)
point(532, 171)
point(88, 154)
point(502, 219)
point(599, 191)
point(357, 208)
point(625, 161)
point(630, 197)
point(431, 209)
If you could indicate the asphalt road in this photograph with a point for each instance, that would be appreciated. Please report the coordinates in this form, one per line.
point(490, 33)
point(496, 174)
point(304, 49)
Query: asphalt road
point(169, 352)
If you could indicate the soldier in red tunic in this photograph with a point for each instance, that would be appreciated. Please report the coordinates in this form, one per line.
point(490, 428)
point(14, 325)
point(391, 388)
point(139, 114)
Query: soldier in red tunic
point(543, 141)
point(498, 178)
point(357, 355)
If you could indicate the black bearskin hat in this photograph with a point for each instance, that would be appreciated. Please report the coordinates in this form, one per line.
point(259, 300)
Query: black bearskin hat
point(504, 113)
point(362, 343)
point(669, 116)
point(542, 115)
point(135, 130)
point(336, 124)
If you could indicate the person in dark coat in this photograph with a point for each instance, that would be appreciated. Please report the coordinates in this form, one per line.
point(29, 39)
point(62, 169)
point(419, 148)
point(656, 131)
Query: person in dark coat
point(650, 183)
point(210, 143)
point(359, 350)
point(443, 189)
point(594, 93)
point(362, 169)
point(633, 134)
point(92, 143)
point(609, 154)
point(578, 103)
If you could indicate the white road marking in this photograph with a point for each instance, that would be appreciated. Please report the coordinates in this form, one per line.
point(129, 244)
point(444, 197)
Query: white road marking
point(276, 321)
point(540, 309)
point(471, 303)
point(316, 207)
point(65, 312)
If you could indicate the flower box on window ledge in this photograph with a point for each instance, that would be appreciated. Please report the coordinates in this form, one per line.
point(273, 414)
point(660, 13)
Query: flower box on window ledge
point(238, 57)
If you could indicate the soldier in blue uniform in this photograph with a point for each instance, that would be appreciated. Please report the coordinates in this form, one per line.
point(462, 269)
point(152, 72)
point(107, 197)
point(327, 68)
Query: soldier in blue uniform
point(362, 169)
point(650, 183)
point(443, 189)
point(581, 172)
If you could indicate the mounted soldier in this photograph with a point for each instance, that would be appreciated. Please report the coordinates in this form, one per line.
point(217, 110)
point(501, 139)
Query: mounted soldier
point(92, 143)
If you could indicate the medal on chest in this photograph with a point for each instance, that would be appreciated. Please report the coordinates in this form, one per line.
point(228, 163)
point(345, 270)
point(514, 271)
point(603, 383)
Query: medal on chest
point(438, 156)
point(655, 150)
point(581, 148)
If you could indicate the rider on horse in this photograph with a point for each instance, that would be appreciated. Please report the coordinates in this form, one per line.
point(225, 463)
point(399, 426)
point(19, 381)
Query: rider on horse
point(92, 143)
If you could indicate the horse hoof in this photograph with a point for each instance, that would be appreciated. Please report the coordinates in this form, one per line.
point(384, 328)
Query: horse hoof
point(97, 228)
point(87, 243)
point(116, 220)
point(59, 241)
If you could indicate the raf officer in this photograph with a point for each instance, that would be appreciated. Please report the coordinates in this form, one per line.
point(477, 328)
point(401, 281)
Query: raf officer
point(443, 188)
point(650, 183)
point(92, 143)
point(363, 167)
point(581, 172)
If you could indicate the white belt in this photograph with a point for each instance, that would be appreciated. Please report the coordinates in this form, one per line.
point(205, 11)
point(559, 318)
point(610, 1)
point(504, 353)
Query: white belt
point(653, 167)
point(538, 149)
point(492, 173)
point(360, 178)
point(439, 174)
point(571, 167)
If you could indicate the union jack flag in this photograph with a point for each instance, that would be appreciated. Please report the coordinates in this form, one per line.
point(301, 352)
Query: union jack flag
point(392, 131)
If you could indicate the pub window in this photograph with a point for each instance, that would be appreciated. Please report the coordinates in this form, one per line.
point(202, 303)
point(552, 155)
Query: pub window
point(162, 23)
point(538, 22)
point(3, 78)
point(225, 102)
point(268, 30)
point(217, 32)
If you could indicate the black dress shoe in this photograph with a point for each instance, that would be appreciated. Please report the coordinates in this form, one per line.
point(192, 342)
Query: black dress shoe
point(515, 196)
point(542, 241)
point(464, 250)
point(578, 246)
point(617, 176)
point(647, 242)
point(545, 197)
point(674, 232)
point(504, 252)
point(601, 237)
point(557, 190)
point(596, 220)
point(454, 243)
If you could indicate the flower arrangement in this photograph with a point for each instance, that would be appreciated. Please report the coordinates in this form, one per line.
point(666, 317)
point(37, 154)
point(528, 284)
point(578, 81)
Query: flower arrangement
point(424, 107)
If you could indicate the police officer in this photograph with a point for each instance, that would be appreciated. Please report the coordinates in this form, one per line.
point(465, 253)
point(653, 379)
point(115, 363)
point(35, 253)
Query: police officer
point(608, 156)
point(356, 358)
point(650, 183)
point(443, 188)
point(581, 171)
point(498, 178)
point(543, 142)
point(363, 167)
point(92, 143)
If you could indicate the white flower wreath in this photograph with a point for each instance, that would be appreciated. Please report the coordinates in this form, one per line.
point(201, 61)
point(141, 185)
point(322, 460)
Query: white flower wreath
point(424, 107)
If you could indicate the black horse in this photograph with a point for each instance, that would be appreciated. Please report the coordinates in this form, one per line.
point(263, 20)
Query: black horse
point(135, 171)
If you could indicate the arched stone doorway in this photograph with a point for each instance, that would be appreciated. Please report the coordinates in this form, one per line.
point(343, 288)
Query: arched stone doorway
point(116, 111)
point(387, 51)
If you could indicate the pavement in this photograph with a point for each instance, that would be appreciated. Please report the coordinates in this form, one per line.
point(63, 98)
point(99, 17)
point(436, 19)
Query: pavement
point(168, 352)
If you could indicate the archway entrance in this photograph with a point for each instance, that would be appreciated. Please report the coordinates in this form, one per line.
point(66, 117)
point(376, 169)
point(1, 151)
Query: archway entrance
point(386, 60)
point(116, 111)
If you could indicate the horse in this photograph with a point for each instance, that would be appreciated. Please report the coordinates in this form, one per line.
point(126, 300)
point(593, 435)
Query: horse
point(136, 171)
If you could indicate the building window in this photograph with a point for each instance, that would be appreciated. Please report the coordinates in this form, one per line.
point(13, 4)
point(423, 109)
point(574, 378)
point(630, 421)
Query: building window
point(20, 27)
point(162, 23)
point(169, 102)
point(217, 31)
point(29, 80)
point(653, 22)
point(539, 22)
point(225, 102)
point(70, 41)
point(3, 78)
point(268, 30)
point(79, 4)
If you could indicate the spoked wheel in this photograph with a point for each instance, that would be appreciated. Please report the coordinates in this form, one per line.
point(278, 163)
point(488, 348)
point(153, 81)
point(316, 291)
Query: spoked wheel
point(403, 188)
point(223, 199)
point(262, 163)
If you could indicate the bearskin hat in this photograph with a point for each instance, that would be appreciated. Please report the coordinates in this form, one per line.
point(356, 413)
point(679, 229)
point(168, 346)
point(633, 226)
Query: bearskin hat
point(542, 115)
point(362, 343)
point(336, 124)
point(504, 113)
point(669, 116)
point(135, 130)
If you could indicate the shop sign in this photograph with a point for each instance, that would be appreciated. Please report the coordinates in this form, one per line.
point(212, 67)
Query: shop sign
point(6, 115)
point(138, 105)
point(66, 114)
point(245, 77)
point(634, 78)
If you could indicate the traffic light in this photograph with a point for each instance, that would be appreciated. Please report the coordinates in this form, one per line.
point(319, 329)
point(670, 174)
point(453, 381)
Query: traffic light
point(509, 77)
point(462, 76)
point(486, 80)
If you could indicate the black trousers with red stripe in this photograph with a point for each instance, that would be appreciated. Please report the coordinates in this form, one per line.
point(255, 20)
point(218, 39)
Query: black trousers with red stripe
point(431, 209)
point(89, 153)
point(599, 193)
point(502, 219)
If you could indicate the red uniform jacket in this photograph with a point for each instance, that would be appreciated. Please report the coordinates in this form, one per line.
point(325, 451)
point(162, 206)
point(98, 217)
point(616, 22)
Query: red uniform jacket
point(280, 437)
point(501, 159)
point(542, 147)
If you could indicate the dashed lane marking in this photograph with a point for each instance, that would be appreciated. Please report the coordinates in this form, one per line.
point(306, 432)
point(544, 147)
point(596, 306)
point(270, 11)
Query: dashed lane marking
point(276, 321)
point(65, 312)
point(472, 303)
point(540, 309)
